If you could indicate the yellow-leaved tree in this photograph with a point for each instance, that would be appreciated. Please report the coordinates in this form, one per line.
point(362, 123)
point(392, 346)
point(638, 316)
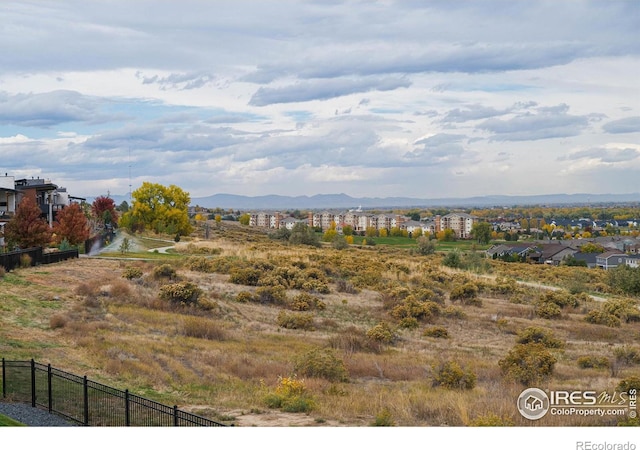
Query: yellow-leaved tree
point(163, 209)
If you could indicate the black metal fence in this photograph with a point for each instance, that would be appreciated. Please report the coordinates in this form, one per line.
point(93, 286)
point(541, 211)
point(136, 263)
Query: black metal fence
point(87, 402)
point(36, 256)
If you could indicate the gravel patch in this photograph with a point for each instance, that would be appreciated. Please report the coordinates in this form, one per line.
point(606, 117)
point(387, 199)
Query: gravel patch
point(33, 417)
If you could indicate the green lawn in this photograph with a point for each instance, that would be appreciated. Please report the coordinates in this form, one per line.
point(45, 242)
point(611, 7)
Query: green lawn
point(9, 422)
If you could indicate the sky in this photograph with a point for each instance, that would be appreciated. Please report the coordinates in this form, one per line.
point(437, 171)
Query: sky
point(412, 98)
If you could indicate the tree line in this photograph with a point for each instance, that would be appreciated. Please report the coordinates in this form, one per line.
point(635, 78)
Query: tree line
point(155, 207)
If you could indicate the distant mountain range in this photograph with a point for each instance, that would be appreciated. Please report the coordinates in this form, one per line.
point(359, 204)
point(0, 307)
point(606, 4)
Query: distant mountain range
point(343, 201)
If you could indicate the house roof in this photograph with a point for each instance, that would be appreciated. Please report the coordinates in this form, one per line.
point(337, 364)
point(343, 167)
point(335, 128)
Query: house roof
point(461, 214)
point(611, 253)
point(548, 250)
point(589, 258)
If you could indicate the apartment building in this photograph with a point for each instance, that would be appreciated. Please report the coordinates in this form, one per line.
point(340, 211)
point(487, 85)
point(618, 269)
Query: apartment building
point(48, 196)
point(460, 223)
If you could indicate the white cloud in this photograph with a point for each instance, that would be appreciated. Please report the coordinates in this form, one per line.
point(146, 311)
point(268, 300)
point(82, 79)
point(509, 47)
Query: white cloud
point(366, 98)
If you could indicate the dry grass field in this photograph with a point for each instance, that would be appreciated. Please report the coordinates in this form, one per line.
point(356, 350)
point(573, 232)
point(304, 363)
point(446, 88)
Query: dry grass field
point(255, 332)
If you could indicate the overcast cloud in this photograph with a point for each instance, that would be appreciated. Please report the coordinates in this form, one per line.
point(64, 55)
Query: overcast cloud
point(369, 98)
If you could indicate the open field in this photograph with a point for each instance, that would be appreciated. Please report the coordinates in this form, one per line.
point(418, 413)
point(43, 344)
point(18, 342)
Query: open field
point(357, 333)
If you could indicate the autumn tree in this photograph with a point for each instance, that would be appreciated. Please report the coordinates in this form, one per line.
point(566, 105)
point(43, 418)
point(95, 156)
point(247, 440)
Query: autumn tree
point(245, 219)
point(27, 228)
point(425, 245)
point(331, 233)
point(481, 231)
point(301, 233)
point(104, 210)
point(71, 224)
point(163, 209)
point(592, 247)
point(446, 235)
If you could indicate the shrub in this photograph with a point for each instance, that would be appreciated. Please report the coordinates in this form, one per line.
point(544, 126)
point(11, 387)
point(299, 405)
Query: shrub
point(295, 321)
point(560, 298)
point(466, 293)
point(436, 332)
point(491, 420)
point(246, 276)
point(183, 292)
point(627, 356)
point(164, 271)
point(120, 290)
point(547, 310)
point(383, 419)
point(290, 395)
point(624, 309)
point(453, 259)
point(275, 295)
point(625, 279)
point(199, 264)
point(409, 323)
point(321, 363)
point(600, 317)
point(131, 273)
point(346, 287)
point(306, 302)
point(57, 321)
point(382, 333)
point(416, 309)
point(353, 340)
point(244, 297)
point(528, 363)
point(25, 261)
point(453, 312)
point(629, 383)
point(593, 362)
point(540, 336)
point(450, 375)
point(425, 246)
point(202, 328)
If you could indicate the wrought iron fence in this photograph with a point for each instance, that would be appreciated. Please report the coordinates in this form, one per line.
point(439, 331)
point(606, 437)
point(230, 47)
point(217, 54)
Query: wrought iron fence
point(87, 402)
point(36, 255)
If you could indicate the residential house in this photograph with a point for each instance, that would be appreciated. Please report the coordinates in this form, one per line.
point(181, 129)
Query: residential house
point(411, 226)
point(289, 222)
point(49, 197)
point(503, 250)
point(554, 253)
point(632, 261)
point(610, 259)
point(588, 258)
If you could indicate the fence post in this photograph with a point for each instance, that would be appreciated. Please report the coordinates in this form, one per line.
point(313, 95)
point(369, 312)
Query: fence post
point(4, 380)
point(49, 388)
point(85, 390)
point(33, 383)
point(175, 415)
point(127, 420)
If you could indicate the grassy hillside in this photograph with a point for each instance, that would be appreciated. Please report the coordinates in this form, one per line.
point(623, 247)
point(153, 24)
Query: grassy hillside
point(9, 422)
point(285, 335)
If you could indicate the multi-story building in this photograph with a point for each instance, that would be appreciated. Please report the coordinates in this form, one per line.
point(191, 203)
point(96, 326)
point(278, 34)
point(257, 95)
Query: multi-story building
point(359, 221)
point(460, 223)
point(49, 197)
